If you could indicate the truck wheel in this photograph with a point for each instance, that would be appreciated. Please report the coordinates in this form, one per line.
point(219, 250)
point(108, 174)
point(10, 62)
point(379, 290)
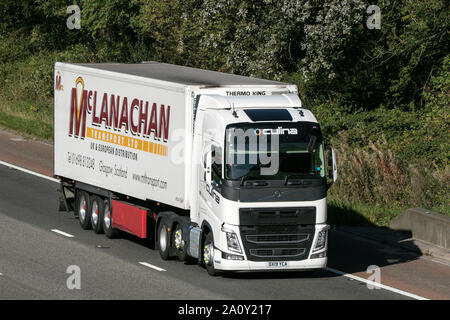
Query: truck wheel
point(83, 209)
point(208, 255)
point(110, 232)
point(177, 243)
point(163, 240)
point(97, 212)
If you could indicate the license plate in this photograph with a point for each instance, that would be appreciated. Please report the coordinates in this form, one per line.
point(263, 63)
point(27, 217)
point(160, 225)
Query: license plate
point(277, 264)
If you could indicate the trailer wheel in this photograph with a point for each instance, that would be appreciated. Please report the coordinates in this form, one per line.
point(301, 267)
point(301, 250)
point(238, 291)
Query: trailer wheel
point(97, 212)
point(83, 205)
point(110, 232)
point(179, 244)
point(208, 255)
point(163, 240)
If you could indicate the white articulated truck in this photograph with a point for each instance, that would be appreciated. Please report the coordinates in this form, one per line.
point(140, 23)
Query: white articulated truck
point(231, 171)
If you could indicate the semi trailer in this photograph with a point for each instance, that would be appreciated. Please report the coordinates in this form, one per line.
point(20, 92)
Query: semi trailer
point(226, 170)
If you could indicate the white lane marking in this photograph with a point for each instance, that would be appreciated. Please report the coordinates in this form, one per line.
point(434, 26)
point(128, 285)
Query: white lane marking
point(375, 284)
point(28, 171)
point(152, 266)
point(437, 261)
point(63, 233)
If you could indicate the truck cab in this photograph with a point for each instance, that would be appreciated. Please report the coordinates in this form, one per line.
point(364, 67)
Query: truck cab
point(262, 176)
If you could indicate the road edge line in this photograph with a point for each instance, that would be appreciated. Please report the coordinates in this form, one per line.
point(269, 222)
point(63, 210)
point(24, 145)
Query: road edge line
point(375, 284)
point(152, 266)
point(7, 164)
point(68, 235)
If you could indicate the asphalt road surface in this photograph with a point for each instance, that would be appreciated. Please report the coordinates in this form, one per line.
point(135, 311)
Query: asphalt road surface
point(34, 260)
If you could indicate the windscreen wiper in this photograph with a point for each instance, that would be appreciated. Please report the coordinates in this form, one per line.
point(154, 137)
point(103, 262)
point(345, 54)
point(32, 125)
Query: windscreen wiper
point(311, 144)
point(299, 181)
point(286, 180)
point(255, 183)
point(246, 176)
point(243, 179)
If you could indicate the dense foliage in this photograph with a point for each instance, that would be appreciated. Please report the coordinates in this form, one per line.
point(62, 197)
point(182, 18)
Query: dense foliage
point(382, 95)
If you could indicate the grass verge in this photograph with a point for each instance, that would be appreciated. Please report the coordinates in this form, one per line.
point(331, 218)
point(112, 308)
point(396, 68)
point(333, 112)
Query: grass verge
point(39, 125)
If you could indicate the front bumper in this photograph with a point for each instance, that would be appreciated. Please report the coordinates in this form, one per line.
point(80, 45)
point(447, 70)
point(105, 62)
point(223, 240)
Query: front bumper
point(272, 263)
point(245, 265)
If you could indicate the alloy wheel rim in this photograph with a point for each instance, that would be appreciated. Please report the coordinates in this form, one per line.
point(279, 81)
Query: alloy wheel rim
point(83, 209)
point(94, 215)
point(207, 254)
point(162, 239)
point(107, 218)
point(178, 239)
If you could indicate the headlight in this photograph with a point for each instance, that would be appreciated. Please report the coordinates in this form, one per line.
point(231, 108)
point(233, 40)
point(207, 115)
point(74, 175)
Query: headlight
point(321, 241)
point(233, 242)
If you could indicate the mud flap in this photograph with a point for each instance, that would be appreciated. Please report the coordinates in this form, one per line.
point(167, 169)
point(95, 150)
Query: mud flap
point(65, 201)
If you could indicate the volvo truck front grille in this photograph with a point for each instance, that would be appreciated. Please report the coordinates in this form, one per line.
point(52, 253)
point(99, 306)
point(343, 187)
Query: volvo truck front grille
point(278, 252)
point(270, 234)
point(278, 238)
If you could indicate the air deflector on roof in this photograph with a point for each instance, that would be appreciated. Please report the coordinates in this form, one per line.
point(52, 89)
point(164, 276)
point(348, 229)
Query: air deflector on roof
point(268, 114)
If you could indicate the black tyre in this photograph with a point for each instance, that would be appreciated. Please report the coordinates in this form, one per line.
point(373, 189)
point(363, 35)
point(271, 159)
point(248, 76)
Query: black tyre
point(178, 243)
point(97, 212)
point(82, 206)
point(208, 255)
point(163, 240)
point(110, 232)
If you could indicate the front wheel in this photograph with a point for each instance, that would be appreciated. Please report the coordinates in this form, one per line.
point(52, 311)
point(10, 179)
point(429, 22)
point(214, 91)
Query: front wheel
point(208, 255)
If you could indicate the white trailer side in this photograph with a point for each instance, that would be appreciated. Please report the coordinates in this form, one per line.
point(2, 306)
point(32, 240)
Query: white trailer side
point(121, 132)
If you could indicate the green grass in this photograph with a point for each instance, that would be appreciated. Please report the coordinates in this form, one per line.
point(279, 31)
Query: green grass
point(26, 97)
point(360, 214)
point(26, 118)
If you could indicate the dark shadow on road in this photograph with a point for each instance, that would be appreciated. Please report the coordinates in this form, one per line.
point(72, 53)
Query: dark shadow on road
point(355, 243)
point(257, 275)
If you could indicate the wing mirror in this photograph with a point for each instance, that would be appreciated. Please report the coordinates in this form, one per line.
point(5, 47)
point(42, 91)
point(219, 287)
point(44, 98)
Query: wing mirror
point(331, 165)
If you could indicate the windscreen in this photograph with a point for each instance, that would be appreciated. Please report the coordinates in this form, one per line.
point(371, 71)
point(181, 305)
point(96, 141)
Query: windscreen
point(272, 151)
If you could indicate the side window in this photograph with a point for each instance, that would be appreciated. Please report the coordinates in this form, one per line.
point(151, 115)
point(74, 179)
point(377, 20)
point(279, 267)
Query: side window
point(216, 159)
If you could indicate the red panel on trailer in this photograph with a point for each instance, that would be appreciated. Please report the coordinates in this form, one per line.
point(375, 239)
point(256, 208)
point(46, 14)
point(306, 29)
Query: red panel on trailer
point(129, 218)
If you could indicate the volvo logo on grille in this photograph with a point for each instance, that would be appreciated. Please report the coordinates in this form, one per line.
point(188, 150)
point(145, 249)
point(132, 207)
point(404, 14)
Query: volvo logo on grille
point(277, 194)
